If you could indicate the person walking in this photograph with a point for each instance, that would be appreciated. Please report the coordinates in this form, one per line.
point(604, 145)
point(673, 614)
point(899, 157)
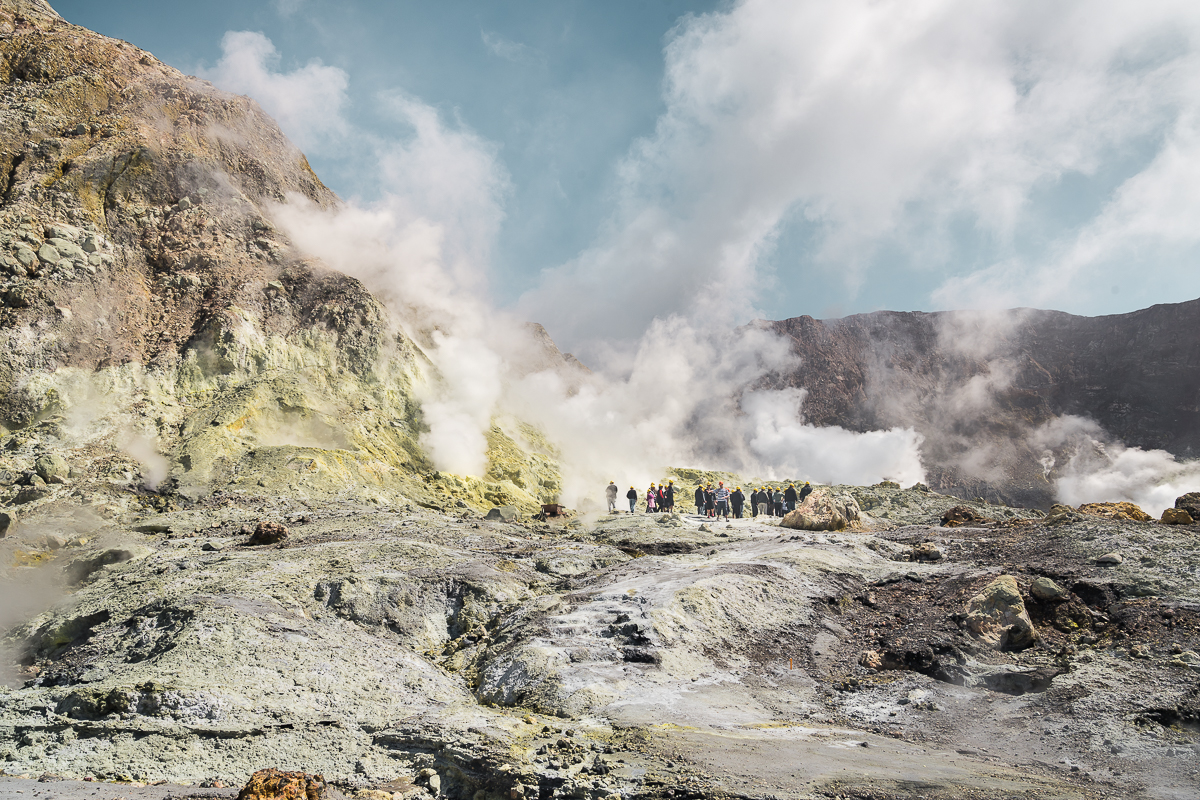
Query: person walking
point(789, 497)
point(650, 499)
point(610, 492)
point(777, 502)
point(754, 503)
point(763, 499)
point(670, 493)
point(737, 500)
point(631, 496)
point(721, 496)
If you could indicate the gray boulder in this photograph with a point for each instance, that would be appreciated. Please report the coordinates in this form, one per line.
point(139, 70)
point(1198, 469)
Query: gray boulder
point(1046, 590)
point(52, 468)
point(504, 513)
point(997, 616)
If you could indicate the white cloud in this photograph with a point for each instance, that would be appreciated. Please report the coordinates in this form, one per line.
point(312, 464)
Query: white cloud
point(307, 102)
point(883, 124)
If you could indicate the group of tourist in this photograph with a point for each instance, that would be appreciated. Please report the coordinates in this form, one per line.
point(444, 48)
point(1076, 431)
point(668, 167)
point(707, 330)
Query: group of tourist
point(659, 497)
point(716, 502)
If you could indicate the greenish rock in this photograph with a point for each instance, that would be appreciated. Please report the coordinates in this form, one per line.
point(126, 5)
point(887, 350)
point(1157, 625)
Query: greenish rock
point(52, 468)
point(67, 249)
point(504, 513)
point(1046, 589)
point(91, 244)
point(26, 257)
point(48, 254)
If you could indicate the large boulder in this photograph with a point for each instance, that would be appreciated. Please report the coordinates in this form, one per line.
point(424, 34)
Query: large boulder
point(1176, 516)
point(997, 616)
point(962, 515)
point(823, 510)
point(1190, 503)
point(1124, 511)
point(273, 784)
point(52, 468)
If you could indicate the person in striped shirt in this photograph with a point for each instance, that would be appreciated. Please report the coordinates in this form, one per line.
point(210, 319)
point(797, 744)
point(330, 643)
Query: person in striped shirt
point(722, 498)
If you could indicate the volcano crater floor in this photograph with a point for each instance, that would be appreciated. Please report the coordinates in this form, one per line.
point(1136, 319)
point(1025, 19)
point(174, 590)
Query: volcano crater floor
point(402, 650)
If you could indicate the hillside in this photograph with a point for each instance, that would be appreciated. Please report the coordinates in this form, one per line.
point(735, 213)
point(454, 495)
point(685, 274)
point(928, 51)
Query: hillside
point(978, 384)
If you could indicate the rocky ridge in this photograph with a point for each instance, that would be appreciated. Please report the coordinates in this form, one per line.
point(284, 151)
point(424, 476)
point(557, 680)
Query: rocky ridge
point(980, 383)
point(151, 307)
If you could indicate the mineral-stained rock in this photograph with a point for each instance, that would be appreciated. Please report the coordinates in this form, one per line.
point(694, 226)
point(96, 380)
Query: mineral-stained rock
point(269, 533)
point(1060, 514)
point(1190, 503)
point(1176, 516)
point(1046, 589)
point(272, 784)
point(503, 513)
point(52, 468)
point(962, 515)
point(998, 617)
point(823, 511)
point(1124, 511)
point(928, 552)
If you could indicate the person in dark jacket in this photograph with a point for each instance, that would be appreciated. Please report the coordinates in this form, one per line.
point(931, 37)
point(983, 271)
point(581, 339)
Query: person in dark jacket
point(737, 500)
point(753, 503)
point(789, 497)
point(805, 491)
point(632, 496)
point(669, 496)
point(710, 501)
point(700, 500)
point(777, 501)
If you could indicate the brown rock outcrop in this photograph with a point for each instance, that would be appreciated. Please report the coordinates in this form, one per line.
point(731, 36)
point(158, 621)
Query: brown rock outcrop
point(273, 784)
point(1126, 511)
point(1176, 516)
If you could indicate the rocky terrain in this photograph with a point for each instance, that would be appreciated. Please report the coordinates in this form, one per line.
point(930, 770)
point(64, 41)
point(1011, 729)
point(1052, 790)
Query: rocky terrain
point(223, 548)
point(978, 385)
point(415, 652)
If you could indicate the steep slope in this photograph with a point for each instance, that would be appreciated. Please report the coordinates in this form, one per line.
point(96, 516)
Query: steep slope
point(149, 304)
point(977, 385)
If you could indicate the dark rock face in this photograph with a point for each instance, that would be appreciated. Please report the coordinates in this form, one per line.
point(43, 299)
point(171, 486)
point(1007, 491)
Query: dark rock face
point(976, 384)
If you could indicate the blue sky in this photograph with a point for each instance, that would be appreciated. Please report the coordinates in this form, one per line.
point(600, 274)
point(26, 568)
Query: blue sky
point(600, 165)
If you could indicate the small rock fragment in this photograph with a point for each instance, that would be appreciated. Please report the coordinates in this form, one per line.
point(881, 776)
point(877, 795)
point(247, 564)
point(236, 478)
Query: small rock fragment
point(1110, 559)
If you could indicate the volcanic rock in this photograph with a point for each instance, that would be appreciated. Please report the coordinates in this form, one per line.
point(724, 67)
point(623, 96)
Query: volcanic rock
point(962, 515)
point(1110, 559)
point(822, 510)
point(1190, 503)
point(52, 468)
point(503, 513)
point(1176, 516)
point(1122, 510)
point(997, 616)
point(269, 533)
point(272, 784)
point(1047, 590)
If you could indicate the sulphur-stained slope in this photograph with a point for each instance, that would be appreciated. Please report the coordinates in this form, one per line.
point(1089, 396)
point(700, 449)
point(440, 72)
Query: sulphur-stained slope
point(150, 308)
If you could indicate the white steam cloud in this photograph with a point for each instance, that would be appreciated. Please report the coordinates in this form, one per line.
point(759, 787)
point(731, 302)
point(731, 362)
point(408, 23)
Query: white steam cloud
point(1099, 469)
point(306, 102)
point(144, 450)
